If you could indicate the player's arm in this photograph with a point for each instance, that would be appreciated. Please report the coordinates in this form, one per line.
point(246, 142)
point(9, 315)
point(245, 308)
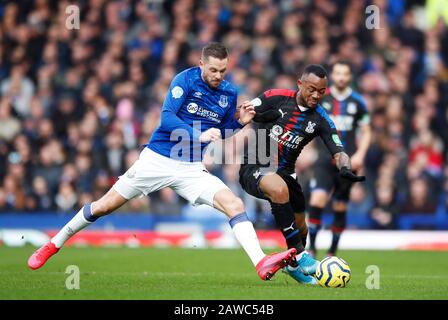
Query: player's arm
point(357, 159)
point(365, 136)
point(174, 100)
point(330, 137)
point(265, 107)
point(345, 171)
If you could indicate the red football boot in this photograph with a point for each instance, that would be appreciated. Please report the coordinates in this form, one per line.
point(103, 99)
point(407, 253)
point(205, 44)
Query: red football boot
point(270, 264)
point(41, 255)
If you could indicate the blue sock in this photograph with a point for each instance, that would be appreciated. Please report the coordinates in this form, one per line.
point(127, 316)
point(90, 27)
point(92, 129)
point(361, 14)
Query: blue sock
point(87, 211)
point(241, 217)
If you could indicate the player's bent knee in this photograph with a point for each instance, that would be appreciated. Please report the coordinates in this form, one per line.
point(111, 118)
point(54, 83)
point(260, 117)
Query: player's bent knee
point(279, 194)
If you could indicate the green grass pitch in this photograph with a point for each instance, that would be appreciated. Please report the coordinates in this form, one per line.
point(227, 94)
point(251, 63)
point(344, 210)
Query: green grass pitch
point(150, 273)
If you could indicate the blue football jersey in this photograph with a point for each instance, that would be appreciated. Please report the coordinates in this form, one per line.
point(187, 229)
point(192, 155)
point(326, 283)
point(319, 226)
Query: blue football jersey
point(190, 108)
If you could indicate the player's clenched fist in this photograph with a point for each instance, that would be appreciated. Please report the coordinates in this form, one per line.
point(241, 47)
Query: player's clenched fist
point(210, 135)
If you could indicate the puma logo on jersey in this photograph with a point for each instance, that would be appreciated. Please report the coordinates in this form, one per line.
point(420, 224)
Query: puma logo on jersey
point(290, 227)
point(310, 127)
point(282, 113)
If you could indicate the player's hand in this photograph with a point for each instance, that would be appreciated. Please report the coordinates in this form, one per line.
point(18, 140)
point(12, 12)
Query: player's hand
point(210, 135)
point(346, 173)
point(247, 113)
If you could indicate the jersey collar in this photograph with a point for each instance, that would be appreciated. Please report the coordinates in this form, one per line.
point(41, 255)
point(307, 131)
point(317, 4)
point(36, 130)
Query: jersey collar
point(341, 96)
point(301, 108)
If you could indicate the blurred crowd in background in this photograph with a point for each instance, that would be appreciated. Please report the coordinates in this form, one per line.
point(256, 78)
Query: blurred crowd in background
point(77, 106)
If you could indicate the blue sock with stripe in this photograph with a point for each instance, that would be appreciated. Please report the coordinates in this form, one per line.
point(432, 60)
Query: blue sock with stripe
point(87, 212)
point(238, 218)
point(245, 234)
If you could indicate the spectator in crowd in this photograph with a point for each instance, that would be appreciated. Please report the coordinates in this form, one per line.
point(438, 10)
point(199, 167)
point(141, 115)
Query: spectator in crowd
point(66, 197)
point(360, 201)
point(10, 126)
point(385, 210)
point(42, 199)
point(419, 200)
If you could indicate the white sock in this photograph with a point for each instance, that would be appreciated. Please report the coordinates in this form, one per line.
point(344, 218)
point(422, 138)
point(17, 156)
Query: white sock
point(75, 225)
point(245, 234)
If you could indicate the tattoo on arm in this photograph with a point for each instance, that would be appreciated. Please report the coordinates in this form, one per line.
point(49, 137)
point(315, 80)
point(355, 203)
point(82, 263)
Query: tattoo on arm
point(342, 160)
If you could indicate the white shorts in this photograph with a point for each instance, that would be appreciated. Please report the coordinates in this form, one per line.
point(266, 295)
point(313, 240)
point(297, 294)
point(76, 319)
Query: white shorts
point(152, 172)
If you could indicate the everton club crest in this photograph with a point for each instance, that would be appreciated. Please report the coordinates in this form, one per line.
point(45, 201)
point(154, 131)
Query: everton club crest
point(223, 101)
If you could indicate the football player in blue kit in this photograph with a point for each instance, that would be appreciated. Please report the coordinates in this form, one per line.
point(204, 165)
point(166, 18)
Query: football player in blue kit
point(199, 108)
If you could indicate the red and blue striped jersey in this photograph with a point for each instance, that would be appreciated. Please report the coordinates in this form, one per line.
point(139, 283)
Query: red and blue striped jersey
point(282, 129)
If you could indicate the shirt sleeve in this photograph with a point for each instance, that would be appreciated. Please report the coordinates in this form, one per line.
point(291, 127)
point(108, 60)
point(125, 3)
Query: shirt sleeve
point(174, 100)
point(266, 108)
point(330, 135)
point(229, 124)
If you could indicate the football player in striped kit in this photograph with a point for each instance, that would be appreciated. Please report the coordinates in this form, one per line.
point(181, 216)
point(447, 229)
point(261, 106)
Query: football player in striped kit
point(285, 121)
point(348, 111)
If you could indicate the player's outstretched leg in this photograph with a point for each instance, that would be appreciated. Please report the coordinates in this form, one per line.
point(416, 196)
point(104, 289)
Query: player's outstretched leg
point(233, 207)
point(276, 190)
point(89, 213)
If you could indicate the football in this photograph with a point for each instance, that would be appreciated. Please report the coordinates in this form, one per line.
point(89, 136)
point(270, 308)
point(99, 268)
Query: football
point(333, 272)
